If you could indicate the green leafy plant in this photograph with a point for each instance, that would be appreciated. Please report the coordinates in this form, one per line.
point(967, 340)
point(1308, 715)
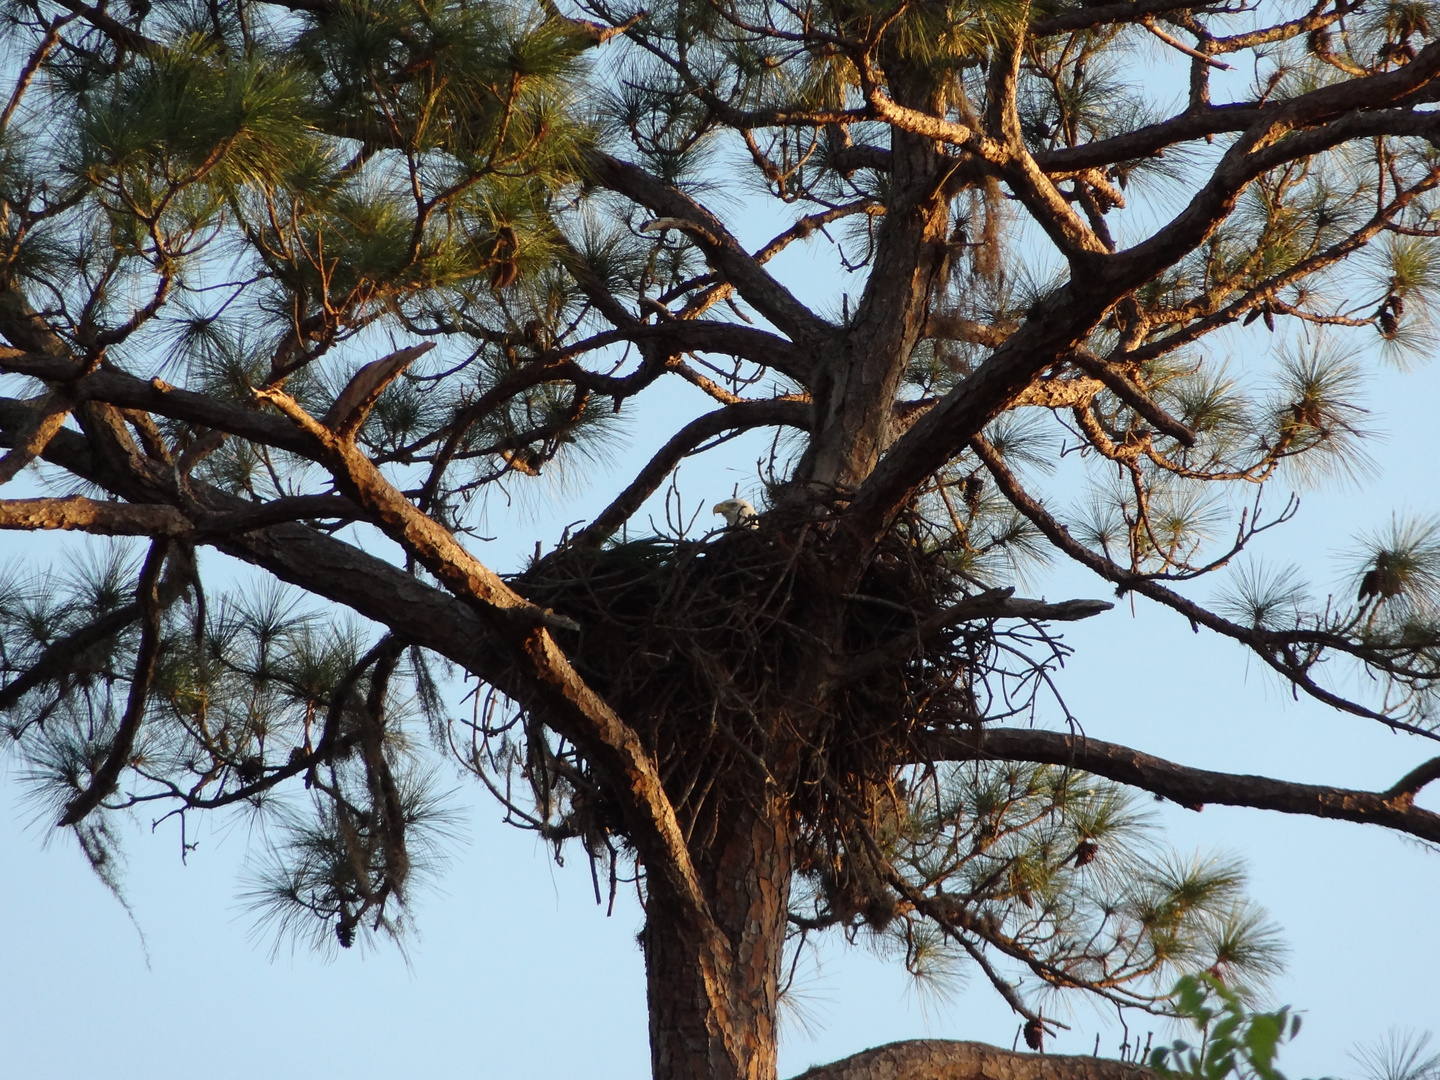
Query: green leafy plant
point(1235, 1039)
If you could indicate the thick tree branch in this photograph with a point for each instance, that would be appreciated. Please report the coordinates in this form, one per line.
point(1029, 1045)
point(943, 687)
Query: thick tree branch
point(939, 1059)
point(279, 511)
point(1052, 211)
point(1052, 329)
point(103, 518)
point(1120, 385)
point(1153, 139)
point(1056, 326)
point(1296, 128)
point(1184, 785)
point(727, 339)
point(1410, 785)
point(349, 410)
point(951, 327)
point(1091, 16)
point(50, 416)
point(92, 516)
point(157, 396)
point(848, 160)
point(1004, 151)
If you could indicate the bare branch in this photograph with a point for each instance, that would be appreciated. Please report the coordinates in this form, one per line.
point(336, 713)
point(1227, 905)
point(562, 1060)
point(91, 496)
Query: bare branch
point(988, 605)
point(104, 779)
point(347, 414)
point(1188, 786)
point(742, 416)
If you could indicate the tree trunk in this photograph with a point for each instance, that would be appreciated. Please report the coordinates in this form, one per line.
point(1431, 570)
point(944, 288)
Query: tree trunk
point(725, 1028)
point(856, 385)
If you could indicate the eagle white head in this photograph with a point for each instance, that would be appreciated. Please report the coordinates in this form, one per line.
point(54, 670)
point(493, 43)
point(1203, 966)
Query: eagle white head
point(738, 512)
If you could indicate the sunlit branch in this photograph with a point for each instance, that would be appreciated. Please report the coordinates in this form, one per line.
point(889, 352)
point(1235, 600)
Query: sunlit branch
point(88, 515)
point(49, 417)
point(928, 1059)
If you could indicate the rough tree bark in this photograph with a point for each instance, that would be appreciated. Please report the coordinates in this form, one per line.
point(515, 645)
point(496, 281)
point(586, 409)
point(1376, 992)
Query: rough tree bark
point(701, 1030)
point(940, 1059)
point(855, 381)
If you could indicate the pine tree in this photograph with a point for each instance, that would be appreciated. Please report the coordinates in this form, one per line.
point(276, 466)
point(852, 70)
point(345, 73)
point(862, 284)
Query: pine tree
point(278, 278)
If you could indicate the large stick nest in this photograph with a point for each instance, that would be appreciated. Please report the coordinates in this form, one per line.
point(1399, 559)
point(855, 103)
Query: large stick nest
point(747, 676)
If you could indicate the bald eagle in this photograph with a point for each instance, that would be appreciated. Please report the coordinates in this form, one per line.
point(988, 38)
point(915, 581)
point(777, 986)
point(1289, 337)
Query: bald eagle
point(738, 512)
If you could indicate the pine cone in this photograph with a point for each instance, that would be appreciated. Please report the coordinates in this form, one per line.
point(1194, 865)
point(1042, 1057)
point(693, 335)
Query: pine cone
point(1034, 1035)
point(503, 274)
point(974, 485)
point(1369, 585)
point(250, 769)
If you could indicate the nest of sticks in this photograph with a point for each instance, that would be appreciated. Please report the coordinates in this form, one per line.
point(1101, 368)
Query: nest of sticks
point(747, 676)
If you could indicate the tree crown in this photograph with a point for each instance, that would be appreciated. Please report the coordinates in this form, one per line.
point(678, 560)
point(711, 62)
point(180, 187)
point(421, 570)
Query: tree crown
point(1076, 321)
